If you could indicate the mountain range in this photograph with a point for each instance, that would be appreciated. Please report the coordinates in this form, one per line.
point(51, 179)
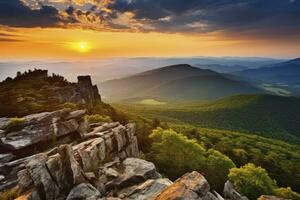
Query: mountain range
point(176, 82)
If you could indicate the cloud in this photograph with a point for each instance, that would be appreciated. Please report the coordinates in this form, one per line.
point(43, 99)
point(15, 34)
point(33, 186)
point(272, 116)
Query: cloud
point(15, 13)
point(232, 18)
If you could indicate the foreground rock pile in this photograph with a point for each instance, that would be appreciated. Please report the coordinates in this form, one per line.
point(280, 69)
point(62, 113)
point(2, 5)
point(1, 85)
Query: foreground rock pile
point(88, 162)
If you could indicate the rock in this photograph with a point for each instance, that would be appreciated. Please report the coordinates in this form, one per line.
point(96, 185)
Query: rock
point(76, 114)
point(111, 173)
point(3, 122)
point(71, 168)
point(90, 176)
point(41, 127)
point(132, 149)
point(66, 127)
point(24, 180)
point(231, 193)
point(46, 187)
point(58, 173)
point(148, 190)
point(6, 157)
point(84, 191)
point(120, 137)
point(91, 154)
point(190, 186)
point(269, 197)
point(136, 171)
point(2, 178)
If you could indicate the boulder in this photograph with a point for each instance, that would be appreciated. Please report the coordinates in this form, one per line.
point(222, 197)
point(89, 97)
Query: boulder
point(84, 191)
point(43, 182)
point(148, 190)
point(136, 171)
point(231, 193)
point(190, 186)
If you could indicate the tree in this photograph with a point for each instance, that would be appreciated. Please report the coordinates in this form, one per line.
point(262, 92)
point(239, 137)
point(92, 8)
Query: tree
point(175, 154)
point(252, 181)
point(217, 169)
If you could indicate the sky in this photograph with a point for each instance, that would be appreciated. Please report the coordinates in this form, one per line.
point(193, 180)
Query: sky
point(89, 29)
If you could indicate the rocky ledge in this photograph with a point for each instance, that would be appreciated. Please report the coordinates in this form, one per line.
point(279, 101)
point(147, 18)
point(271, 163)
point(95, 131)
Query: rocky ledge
point(88, 162)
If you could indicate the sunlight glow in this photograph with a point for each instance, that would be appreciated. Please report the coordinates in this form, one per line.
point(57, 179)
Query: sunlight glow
point(81, 47)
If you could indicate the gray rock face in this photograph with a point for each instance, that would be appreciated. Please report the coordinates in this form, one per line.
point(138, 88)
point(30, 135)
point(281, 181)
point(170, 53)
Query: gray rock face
point(136, 171)
point(231, 193)
point(84, 191)
point(43, 127)
point(46, 187)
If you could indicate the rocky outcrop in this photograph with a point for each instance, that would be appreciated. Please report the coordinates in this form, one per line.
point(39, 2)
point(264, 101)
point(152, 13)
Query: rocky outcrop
point(82, 92)
point(44, 132)
point(191, 186)
point(89, 162)
point(230, 193)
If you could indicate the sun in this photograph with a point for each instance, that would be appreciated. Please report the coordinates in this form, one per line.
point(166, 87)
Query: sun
point(81, 46)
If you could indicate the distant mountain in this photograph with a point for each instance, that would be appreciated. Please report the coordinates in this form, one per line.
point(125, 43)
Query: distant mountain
point(281, 73)
point(176, 82)
point(222, 68)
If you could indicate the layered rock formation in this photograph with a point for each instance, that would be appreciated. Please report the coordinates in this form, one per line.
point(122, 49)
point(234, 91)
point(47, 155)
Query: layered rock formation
point(82, 92)
point(57, 155)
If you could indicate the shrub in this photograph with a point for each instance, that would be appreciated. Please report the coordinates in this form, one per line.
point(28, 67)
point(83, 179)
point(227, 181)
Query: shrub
point(97, 118)
point(287, 193)
point(15, 124)
point(252, 181)
point(70, 105)
point(174, 153)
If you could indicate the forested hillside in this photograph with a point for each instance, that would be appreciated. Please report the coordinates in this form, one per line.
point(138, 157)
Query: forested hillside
point(265, 115)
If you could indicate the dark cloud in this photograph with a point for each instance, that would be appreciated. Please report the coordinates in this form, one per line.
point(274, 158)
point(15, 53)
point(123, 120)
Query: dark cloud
point(237, 18)
point(15, 13)
point(270, 18)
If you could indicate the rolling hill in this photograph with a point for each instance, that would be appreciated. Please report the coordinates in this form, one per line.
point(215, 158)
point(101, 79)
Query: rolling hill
point(176, 82)
point(265, 115)
point(281, 73)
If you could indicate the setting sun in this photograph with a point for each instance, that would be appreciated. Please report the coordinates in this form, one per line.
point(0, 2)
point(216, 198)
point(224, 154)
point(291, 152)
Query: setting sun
point(81, 47)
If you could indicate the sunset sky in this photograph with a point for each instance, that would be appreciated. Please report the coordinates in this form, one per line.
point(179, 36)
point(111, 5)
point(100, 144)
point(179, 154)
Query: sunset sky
point(85, 29)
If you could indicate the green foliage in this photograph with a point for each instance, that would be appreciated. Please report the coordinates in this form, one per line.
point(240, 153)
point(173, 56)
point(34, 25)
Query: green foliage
point(252, 181)
point(287, 193)
point(15, 124)
point(280, 159)
point(97, 118)
point(217, 168)
point(174, 154)
point(69, 105)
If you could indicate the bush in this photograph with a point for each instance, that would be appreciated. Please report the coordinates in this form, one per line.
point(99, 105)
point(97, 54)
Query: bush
point(15, 124)
point(97, 118)
point(70, 105)
point(10, 194)
point(175, 154)
point(252, 181)
point(287, 193)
